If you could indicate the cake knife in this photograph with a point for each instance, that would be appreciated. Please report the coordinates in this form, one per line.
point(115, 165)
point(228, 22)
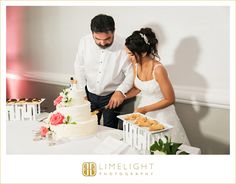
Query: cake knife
point(102, 109)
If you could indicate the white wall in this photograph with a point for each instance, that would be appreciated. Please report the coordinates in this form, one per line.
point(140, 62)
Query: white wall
point(194, 44)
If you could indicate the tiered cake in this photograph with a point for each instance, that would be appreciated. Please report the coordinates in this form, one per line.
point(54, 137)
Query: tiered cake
point(72, 117)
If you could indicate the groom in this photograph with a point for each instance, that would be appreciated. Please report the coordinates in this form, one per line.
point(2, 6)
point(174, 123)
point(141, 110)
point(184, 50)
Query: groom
point(103, 69)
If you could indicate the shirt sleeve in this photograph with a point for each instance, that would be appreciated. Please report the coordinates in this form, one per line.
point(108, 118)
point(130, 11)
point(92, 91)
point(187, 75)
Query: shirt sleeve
point(127, 84)
point(79, 67)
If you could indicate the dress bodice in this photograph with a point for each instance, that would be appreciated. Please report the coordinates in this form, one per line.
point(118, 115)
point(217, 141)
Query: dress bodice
point(149, 88)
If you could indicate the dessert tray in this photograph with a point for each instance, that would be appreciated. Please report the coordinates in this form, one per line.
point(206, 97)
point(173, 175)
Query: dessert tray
point(23, 109)
point(146, 128)
point(141, 131)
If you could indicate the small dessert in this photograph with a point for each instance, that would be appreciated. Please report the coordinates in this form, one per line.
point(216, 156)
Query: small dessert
point(29, 100)
point(21, 100)
point(132, 117)
point(156, 126)
point(144, 124)
point(151, 121)
point(36, 100)
point(140, 120)
point(11, 101)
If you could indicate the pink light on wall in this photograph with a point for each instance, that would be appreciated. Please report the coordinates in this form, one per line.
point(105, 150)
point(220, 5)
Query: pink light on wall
point(14, 84)
point(14, 48)
point(13, 76)
point(14, 31)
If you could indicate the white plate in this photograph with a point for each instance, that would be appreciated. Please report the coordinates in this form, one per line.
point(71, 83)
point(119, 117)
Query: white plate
point(167, 126)
point(112, 133)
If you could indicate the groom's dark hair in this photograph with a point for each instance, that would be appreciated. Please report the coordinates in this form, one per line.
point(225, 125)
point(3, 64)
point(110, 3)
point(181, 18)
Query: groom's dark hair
point(102, 24)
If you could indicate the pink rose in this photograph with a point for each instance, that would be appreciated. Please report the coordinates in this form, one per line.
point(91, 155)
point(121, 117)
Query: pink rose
point(57, 119)
point(57, 100)
point(43, 131)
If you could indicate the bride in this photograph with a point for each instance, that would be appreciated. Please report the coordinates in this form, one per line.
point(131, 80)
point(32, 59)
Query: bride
point(151, 80)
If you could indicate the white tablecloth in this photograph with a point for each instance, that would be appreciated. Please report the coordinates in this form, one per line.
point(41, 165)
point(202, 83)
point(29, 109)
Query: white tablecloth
point(19, 140)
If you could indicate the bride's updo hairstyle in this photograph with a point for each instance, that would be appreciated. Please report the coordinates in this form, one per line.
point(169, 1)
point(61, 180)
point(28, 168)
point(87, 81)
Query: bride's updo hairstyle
point(142, 41)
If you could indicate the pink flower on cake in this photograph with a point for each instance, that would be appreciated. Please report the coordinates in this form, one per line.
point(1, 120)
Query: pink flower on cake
point(43, 131)
point(57, 100)
point(57, 119)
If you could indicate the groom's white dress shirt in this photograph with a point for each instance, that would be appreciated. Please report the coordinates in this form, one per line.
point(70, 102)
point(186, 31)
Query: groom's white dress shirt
point(103, 71)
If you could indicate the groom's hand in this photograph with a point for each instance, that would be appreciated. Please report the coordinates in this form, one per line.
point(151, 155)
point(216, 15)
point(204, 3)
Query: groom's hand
point(116, 99)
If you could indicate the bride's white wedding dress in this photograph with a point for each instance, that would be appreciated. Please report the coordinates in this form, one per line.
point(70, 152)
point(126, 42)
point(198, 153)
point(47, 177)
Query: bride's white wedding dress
point(151, 93)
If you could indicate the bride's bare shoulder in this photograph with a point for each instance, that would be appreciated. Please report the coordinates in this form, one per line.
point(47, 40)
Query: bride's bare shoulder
point(159, 69)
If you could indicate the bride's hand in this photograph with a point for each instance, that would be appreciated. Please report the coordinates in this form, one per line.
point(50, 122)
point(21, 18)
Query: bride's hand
point(141, 110)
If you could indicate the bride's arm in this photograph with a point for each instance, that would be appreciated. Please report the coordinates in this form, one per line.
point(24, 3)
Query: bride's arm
point(132, 92)
point(162, 78)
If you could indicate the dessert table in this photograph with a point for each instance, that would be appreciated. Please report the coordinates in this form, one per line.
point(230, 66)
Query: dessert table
point(19, 140)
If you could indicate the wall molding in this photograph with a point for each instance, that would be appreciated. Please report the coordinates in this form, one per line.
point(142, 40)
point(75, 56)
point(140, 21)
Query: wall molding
point(43, 77)
point(218, 98)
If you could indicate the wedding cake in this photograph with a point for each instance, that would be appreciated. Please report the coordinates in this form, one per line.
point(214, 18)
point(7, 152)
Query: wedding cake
point(72, 117)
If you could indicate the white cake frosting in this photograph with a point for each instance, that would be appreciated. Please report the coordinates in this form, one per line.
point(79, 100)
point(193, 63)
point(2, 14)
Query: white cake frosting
point(73, 113)
point(77, 96)
point(77, 112)
point(83, 129)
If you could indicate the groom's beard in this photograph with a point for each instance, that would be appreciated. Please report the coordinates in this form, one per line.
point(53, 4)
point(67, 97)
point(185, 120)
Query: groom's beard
point(107, 45)
point(104, 46)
